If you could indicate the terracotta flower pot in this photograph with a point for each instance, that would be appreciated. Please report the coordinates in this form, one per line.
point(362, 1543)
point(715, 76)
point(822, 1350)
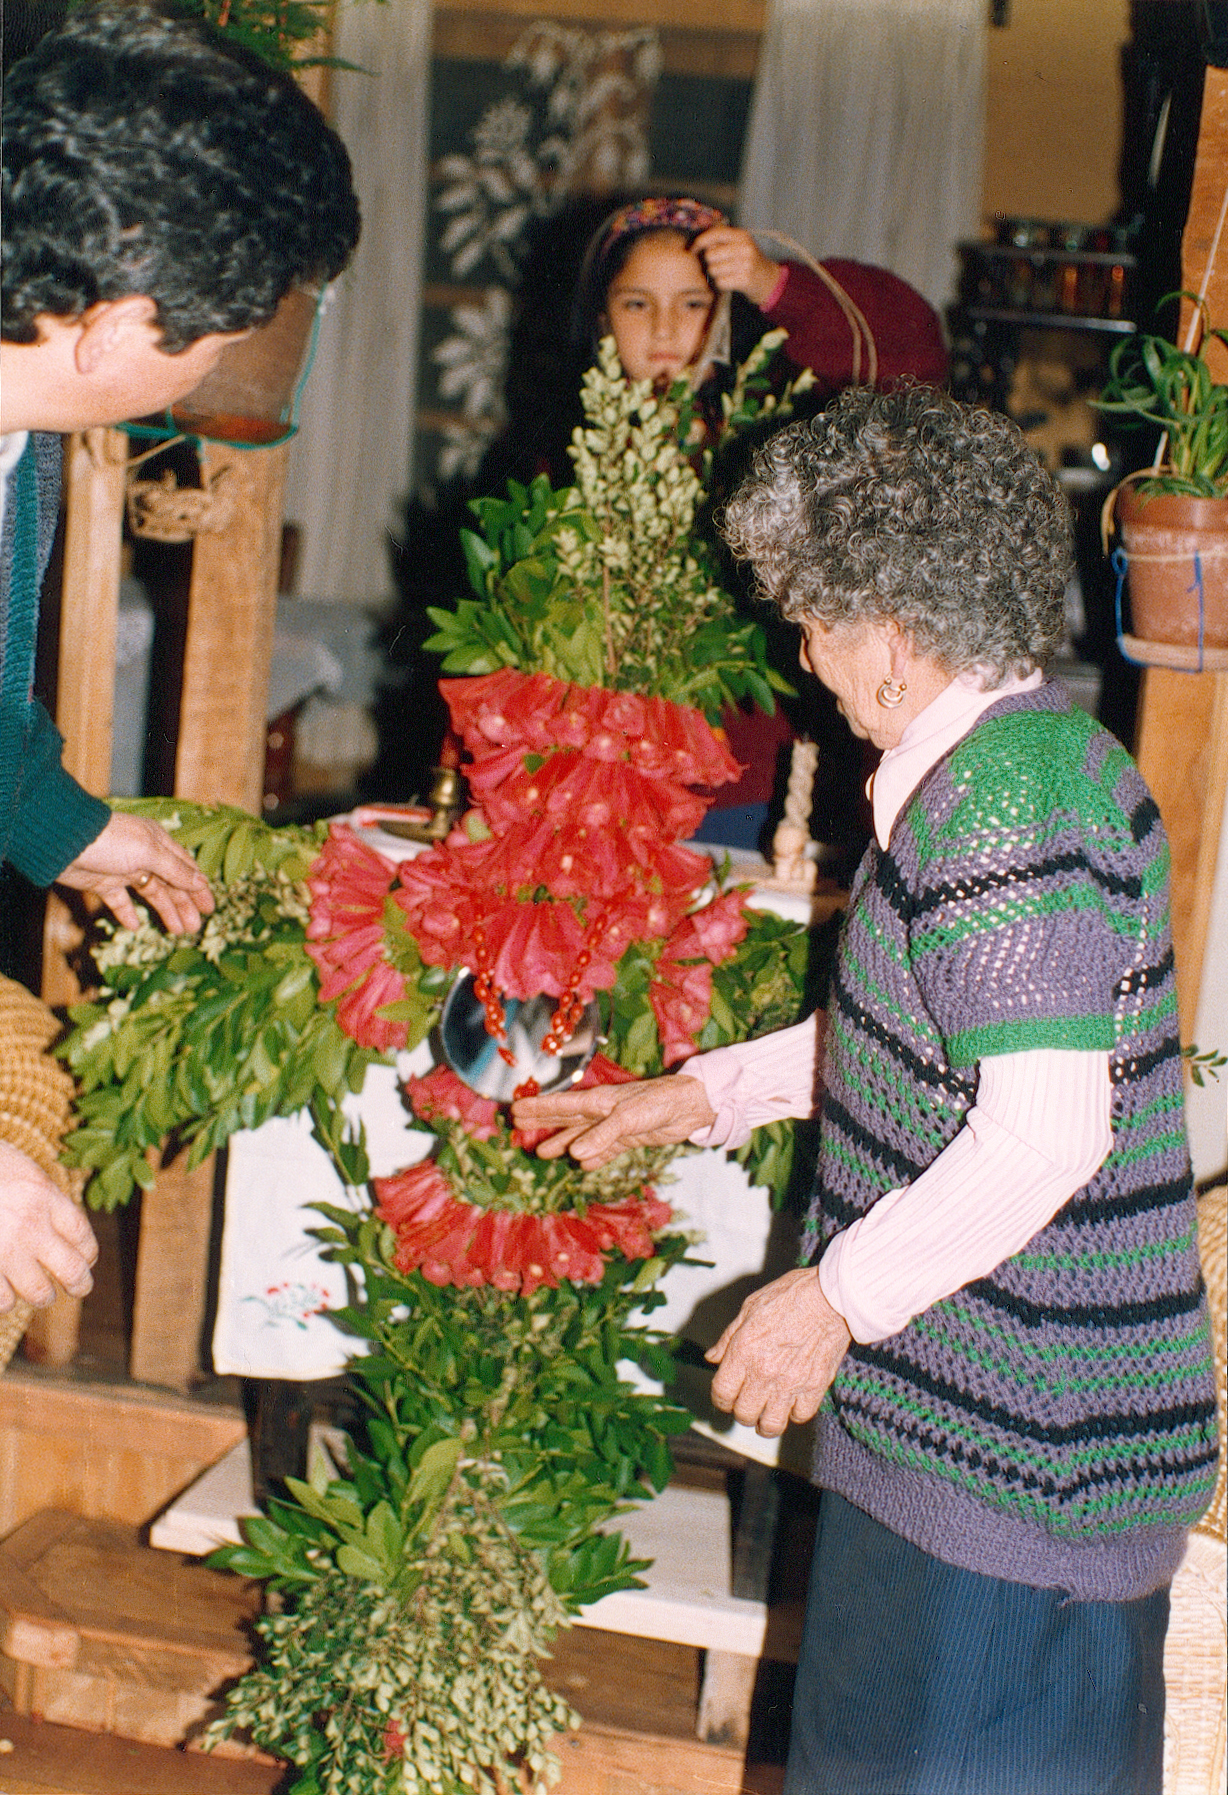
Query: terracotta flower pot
point(251, 396)
point(1175, 545)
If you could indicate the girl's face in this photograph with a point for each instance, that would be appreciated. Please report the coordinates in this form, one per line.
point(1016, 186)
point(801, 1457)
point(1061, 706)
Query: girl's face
point(657, 308)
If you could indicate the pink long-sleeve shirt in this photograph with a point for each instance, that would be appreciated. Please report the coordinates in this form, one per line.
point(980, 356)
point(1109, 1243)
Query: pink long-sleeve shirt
point(1039, 1129)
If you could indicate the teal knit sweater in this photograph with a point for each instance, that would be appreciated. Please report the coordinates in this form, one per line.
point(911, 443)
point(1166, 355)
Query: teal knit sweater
point(1053, 1423)
point(46, 818)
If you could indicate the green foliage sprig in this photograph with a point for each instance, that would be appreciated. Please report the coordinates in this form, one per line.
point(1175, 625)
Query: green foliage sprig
point(279, 32)
point(423, 1582)
point(1203, 1064)
point(196, 1039)
point(1154, 383)
point(407, 1655)
point(610, 582)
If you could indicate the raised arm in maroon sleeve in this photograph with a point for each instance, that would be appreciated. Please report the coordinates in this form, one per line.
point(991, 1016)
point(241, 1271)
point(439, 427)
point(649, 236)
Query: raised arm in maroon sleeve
point(906, 328)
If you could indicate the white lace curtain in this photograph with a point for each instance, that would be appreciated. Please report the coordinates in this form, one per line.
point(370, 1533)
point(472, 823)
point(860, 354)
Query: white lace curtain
point(350, 463)
point(867, 130)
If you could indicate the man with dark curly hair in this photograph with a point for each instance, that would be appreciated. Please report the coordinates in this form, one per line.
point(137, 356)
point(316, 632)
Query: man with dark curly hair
point(163, 191)
point(1000, 1320)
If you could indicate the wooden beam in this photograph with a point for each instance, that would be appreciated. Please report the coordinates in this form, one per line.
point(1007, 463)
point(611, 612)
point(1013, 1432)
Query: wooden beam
point(1205, 222)
point(95, 469)
point(676, 15)
point(694, 46)
point(232, 613)
point(172, 1267)
point(1182, 739)
point(95, 464)
point(219, 759)
point(1182, 753)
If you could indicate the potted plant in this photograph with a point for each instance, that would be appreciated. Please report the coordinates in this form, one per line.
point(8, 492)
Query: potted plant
point(250, 399)
point(1174, 521)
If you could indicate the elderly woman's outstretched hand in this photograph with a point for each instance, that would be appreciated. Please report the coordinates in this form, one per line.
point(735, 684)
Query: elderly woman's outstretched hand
point(779, 1354)
point(596, 1125)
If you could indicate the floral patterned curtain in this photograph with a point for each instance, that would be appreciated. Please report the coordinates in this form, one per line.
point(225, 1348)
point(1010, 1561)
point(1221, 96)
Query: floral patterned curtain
point(573, 121)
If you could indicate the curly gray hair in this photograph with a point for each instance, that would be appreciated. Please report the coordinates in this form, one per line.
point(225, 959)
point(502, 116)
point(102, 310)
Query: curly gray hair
point(909, 506)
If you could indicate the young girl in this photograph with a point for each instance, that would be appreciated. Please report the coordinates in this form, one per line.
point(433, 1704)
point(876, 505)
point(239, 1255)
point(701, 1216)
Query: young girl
point(681, 290)
point(684, 292)
point(678, 286)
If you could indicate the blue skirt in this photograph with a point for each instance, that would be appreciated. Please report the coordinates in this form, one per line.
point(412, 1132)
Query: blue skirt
point(917, 1678)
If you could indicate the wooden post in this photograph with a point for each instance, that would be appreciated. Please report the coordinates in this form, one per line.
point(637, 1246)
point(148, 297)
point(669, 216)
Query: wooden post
point(232, 610)
point(1183, 755)
point(172, 1265)
point(1182, 738)
point(94, 474)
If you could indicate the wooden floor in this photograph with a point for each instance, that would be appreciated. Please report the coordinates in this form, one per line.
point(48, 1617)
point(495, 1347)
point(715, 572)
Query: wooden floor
point(59, 1760)
point(626, 1688)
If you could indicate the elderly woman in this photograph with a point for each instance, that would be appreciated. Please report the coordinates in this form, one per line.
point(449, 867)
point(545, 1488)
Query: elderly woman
point(1002, 1302)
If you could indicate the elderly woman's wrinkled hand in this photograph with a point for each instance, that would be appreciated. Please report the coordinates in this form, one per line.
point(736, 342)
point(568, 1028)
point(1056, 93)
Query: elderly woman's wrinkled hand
point(596, 1125)
point(780, 1353)
point(44, 1237)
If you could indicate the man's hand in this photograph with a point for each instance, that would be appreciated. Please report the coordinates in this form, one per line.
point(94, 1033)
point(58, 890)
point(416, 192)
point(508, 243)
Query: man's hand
point(779, 1354)
point(595, 1126)
point(134, 852)
point(735, 263)
point(43, 1236)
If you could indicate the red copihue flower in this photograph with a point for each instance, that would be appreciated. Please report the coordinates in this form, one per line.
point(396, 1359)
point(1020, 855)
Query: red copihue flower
point(452, 1242)
point(534, 947)
point(442, 1096)
point(575, 854)
point(681, 999)
point(349, 885)
point(394, 1741)
point(711, 932)
point(681, 994)
point(358, 1011)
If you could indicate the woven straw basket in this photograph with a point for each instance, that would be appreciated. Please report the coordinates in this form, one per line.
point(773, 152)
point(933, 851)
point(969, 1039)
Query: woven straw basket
point(35, 1110)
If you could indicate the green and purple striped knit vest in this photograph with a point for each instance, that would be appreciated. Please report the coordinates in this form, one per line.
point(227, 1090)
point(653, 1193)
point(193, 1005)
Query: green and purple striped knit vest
point(1053, 1423)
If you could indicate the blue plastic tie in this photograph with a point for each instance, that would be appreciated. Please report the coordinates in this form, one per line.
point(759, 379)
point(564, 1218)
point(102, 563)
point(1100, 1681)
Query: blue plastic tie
point(1119, 560)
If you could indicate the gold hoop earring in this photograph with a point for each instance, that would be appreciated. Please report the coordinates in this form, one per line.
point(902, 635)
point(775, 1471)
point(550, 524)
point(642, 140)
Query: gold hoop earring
point(891, 694)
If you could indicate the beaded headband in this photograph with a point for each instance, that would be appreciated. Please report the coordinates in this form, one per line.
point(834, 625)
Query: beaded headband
point(660, 213)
